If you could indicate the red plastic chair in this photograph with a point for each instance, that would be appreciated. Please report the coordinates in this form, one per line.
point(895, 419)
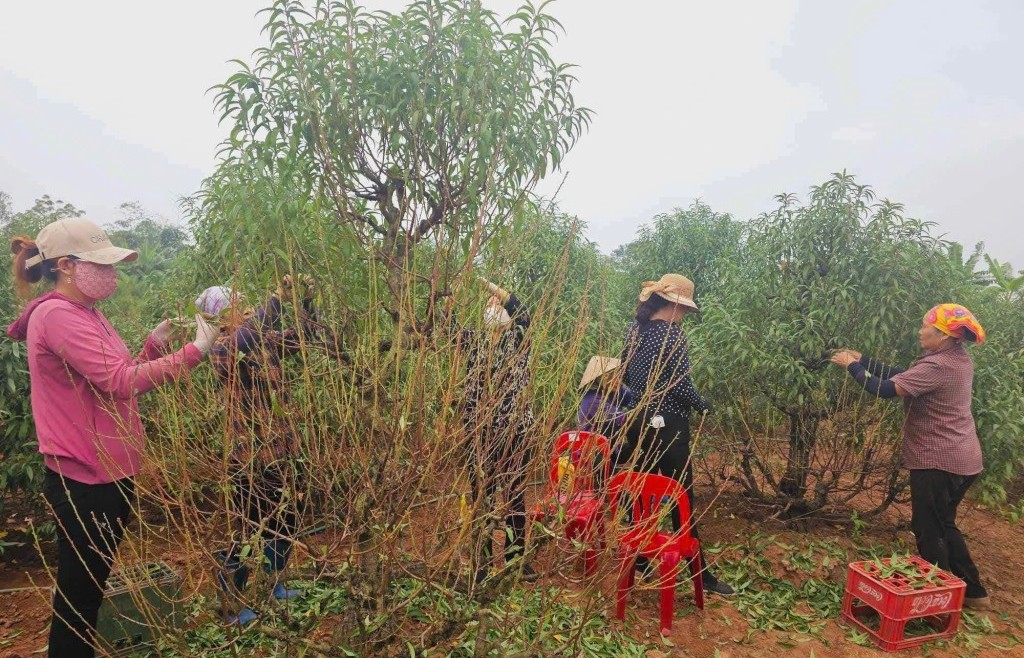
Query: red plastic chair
point(582, 500)
point(651, 497)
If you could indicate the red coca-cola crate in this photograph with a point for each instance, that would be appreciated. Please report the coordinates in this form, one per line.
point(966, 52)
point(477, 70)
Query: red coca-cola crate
point(932, 595)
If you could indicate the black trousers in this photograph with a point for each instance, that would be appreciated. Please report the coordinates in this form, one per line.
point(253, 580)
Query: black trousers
point(90, 522)
point(666, 451)
point(934, 498)
point(264, 501)
point(497, 464)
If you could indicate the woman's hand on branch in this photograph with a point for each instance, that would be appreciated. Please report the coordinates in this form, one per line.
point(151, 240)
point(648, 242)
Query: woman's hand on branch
point(167, 332)
point(206, 335)
point(496, 290)
point(844, 358)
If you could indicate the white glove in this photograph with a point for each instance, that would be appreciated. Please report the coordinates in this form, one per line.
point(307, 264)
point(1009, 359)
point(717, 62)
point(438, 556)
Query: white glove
point(658, 422)
point(206, 335)
point(495, 290)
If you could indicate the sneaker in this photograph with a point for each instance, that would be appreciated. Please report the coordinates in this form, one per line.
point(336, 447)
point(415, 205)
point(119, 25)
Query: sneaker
point(718, 587)
point(978, 603)
point(282, 593)
point(244, 617)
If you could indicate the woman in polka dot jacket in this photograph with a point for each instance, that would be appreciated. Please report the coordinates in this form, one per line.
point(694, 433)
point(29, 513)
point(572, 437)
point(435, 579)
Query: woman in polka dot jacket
point(657, 370)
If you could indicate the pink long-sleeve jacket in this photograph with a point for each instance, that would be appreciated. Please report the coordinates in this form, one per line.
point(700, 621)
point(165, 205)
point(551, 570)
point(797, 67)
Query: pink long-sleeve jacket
point(84, 384)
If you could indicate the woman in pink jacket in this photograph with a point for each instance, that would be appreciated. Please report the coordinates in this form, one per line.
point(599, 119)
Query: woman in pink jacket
point(84, 384)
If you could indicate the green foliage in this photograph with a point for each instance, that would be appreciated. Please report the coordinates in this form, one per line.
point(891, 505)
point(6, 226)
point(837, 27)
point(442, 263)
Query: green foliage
point(21, 470)
point(999, 390)
point(698, 242)
point(568, 282)
point(798, 596)
point(770, 602)
point(539, 621)
point(358, 136)
point(153, 286)
point(536, 621)
point(1002, 276)
point(838, 271)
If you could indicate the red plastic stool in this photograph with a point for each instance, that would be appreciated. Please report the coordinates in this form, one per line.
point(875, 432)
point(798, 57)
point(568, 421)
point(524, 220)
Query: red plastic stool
point(897, 602)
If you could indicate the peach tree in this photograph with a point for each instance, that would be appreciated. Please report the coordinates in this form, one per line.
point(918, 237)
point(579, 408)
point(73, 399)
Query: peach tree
point(839, 270)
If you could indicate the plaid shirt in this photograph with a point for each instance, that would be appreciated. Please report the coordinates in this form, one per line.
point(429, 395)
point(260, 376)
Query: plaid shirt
point(939, 431)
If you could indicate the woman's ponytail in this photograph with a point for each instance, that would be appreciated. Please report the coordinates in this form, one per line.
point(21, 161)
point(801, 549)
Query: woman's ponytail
point(25, 277)
point(649, 307)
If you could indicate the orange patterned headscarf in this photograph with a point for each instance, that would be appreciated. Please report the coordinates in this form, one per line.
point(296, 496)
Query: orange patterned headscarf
point(956, 321)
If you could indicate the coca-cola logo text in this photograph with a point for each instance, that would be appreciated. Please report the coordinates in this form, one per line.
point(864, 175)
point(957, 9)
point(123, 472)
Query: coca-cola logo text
point(866, 589)
point(926, 602)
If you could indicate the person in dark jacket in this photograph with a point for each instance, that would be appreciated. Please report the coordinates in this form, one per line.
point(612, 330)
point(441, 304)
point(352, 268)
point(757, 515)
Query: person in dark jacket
point(940, 442)
point(248, 361)
point(657, 370)
point(605, 398)
point(497, 418)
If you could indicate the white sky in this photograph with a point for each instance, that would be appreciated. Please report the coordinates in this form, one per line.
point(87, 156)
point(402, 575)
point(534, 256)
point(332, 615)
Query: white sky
point(732, 102)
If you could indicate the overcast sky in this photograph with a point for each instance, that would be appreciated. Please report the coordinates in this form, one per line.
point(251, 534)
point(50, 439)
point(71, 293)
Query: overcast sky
point(732, 102)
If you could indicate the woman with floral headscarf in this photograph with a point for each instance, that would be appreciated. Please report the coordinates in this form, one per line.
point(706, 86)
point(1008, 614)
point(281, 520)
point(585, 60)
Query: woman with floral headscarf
point(940, 442)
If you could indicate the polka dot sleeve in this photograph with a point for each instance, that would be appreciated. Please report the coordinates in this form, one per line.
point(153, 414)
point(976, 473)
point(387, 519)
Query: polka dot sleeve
point(658, 369)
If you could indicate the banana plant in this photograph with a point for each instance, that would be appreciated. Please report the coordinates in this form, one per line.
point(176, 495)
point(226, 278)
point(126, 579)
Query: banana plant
point(1010, 285)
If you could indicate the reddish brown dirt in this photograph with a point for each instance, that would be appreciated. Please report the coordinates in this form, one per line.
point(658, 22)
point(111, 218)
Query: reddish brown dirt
point(699, 634)
point(994, 544)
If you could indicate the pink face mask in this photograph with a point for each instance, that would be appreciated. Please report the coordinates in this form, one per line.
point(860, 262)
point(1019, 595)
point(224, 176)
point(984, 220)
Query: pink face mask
point(95, 281)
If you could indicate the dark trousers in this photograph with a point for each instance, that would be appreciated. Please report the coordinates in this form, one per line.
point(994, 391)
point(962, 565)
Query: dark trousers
point(666, 451)
point(934, 498)
point(264, 501)
point(90, 522)
point(502, 458)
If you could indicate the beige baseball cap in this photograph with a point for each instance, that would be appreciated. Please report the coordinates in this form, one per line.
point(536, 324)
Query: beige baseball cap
point(79, 238)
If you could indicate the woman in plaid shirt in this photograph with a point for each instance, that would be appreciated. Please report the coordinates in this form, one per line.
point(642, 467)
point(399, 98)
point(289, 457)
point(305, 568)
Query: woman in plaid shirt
point(940, 442)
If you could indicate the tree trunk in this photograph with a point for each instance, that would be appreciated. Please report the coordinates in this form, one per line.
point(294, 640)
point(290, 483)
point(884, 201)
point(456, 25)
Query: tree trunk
point(803, 430)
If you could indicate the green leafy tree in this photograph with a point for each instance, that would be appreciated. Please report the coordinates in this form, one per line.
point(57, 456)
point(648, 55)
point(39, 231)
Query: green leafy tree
point(697, 242)
point(837, 271)
point(968, 267)
point(1001, 275)
point(999, 389)
point(385, 154)
point(379, 132)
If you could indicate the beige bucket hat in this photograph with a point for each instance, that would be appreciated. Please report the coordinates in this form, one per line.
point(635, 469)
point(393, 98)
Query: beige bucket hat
point(598, 366)
point(79, 238)
point(675, 288)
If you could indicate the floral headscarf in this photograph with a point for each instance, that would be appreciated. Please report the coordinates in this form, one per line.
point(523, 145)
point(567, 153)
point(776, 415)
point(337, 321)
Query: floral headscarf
point(956, 321)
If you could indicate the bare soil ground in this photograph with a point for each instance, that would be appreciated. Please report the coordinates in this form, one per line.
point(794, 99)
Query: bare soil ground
point(719, 630)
